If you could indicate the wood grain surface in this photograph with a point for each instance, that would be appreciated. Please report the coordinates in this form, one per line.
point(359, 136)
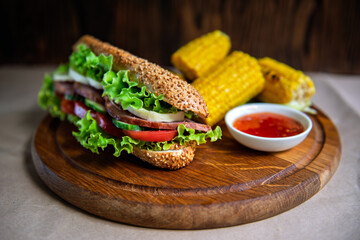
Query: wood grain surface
point(226, 184)
point(309, 35)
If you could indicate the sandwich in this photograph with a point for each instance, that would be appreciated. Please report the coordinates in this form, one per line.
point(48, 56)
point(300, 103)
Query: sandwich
point(117, 99)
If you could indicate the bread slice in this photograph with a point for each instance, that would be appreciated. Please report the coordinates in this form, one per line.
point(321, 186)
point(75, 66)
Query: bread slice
point(178, 157)
point(157, 80)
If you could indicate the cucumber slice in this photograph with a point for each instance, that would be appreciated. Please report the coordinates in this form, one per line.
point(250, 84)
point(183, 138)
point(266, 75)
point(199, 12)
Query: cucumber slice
point(94, 105)
point(126, 126)
point(73, 97)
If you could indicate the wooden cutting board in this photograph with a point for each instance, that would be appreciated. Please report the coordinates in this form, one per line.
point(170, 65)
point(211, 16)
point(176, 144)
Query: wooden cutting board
point(226, 184)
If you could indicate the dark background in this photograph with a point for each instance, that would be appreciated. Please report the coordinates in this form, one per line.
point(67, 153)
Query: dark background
point(312, 35)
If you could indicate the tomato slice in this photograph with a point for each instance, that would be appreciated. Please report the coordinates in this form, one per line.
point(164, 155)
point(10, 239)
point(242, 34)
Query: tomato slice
point(107, 125)
point(152, 136)
point(67, 106)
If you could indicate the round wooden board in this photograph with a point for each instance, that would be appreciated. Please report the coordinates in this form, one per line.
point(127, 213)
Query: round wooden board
point(225, 185)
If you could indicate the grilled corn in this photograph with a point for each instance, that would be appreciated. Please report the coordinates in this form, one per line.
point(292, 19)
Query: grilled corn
point(285, 85)
point(198, 56)
point(234, 81)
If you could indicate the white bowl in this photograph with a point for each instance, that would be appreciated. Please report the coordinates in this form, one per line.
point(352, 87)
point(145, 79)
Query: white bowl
point(265, 143)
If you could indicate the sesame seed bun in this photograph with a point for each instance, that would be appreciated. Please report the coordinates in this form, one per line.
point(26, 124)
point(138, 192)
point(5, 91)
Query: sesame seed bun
point(178, 157)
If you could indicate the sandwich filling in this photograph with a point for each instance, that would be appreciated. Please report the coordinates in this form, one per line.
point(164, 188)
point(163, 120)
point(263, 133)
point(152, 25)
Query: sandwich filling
point(113, 108)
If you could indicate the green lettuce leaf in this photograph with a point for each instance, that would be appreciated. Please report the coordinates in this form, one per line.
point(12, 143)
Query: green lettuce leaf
point(97, 66)
point(72, 118)
point(92, 137)
point(63, 69)
point(78, 59)
point(187, 134)
point(119, 88)
point(189, 115)
point(48, 100)
point(85, 62)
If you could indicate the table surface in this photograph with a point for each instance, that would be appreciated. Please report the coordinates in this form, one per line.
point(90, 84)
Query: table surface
point(29, 210)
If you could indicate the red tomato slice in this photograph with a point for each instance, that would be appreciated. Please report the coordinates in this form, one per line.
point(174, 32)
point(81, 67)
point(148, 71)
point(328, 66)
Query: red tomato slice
point(67, 106)
point(152, 136)
point(106, 124)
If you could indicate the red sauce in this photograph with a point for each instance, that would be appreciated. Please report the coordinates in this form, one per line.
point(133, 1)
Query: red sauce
point(268, 124)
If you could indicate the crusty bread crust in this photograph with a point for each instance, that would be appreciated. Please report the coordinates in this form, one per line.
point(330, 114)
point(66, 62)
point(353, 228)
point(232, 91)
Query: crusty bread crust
point(176, 91)
point(180, 157)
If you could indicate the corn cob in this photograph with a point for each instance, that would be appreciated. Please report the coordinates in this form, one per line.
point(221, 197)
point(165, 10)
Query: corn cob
point(199, 55)
point(285, 85)
point(233, 82)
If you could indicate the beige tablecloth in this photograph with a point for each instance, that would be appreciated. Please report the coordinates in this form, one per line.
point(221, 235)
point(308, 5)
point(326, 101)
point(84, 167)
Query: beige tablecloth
point(29, 210)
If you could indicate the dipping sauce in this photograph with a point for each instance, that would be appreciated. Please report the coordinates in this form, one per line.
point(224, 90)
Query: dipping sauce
point(266, 124)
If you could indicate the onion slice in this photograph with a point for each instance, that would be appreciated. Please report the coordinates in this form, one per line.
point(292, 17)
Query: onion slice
point(77, 76)
point(58, 77)
point(94, 83)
